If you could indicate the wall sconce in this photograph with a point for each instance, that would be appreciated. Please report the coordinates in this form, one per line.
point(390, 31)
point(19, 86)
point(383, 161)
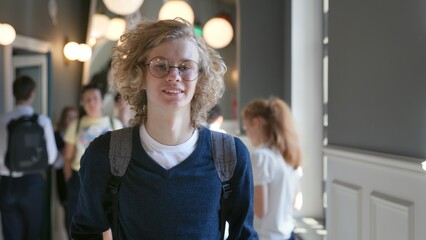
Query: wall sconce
point(74, 51)
point(176, 8)
point(7, 34)
point(218, 32)
point(123, 7)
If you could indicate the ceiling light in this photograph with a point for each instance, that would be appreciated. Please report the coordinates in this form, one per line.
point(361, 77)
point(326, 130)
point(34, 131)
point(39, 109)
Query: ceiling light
point(175, 8)
point(218, 32)
point(123, 7)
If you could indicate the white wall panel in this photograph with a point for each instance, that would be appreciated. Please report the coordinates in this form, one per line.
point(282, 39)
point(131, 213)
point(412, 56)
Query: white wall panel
point(347, 200)
point(373, 196)
point(391, 218)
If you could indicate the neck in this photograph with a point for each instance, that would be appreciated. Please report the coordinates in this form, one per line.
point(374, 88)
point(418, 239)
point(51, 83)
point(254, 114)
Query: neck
point(23, 102)
point(169, 128)
point(94, 115)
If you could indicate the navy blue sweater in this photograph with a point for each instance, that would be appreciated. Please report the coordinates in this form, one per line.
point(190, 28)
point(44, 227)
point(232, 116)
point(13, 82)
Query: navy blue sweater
point(155, 203)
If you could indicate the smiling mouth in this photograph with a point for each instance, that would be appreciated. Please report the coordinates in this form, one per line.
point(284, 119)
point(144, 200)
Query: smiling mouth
point(173, 91)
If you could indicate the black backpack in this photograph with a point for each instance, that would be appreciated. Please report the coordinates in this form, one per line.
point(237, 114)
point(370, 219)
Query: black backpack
point(26, 146)
point(120, 153)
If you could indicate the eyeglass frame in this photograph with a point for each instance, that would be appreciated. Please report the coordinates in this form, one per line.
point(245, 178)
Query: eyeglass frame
point(171, 66)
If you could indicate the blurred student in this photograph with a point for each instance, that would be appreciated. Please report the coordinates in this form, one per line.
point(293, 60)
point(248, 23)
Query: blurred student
point(22, 195)
point(68, 114)
point(79, 135)
point(215, 119)
point(122, 110)
point(275, 160)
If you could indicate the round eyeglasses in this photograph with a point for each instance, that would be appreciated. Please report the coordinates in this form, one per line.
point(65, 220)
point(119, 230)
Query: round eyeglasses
point(159, 67)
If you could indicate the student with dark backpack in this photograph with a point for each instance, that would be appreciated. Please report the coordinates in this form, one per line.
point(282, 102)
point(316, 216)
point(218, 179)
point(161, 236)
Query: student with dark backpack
point(175, 182)
point(27, 147)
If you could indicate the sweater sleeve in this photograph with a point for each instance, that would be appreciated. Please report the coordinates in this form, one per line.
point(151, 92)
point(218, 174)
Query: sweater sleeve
point(239, 205)
point(90, 219)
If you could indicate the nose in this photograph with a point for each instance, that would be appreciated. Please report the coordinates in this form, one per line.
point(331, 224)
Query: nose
point(174, 74)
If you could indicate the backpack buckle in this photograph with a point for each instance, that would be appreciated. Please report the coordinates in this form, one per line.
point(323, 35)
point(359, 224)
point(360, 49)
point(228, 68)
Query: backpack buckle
point(226, 190)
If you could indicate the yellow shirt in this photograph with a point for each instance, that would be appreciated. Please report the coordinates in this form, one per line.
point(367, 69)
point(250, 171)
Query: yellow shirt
point(89, 129)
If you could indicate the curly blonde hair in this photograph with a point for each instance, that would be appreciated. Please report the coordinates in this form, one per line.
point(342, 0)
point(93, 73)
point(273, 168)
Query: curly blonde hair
point(129, 59)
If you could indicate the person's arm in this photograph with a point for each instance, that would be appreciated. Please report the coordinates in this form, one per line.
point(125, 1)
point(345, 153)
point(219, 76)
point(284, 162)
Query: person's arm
point(107, 235)
point(52, 150)
point(239, 205)
point(90, 220)
point(260, 200)
point(298, 198)
point(69, 152)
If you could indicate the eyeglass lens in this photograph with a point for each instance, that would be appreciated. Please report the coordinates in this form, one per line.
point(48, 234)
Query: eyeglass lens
point(159, 67)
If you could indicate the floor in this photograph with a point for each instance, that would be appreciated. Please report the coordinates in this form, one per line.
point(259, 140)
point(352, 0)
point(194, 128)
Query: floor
point(310, 229)
point(59, 231)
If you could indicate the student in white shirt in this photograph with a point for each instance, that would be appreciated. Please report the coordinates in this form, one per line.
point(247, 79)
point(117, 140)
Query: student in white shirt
point(275, 160)
point(21, 195)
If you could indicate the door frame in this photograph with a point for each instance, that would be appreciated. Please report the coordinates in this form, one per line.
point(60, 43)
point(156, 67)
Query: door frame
point(28, 44)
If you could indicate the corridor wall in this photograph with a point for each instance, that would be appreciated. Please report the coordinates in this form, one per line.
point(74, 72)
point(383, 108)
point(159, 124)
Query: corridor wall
point(376, 120)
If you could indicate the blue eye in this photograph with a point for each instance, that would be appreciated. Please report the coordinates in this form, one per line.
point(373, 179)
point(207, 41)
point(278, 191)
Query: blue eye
point(161, 67)
point(183, 68)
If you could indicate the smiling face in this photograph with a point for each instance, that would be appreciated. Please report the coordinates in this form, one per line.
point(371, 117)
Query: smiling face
point(171, 92)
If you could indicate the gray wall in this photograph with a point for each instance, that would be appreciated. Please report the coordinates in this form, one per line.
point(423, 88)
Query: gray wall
point(30, 18)
point(377, 73)
point(264, 50)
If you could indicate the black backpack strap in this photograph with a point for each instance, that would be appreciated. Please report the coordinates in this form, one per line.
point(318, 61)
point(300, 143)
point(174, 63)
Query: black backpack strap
point(120, 153)
point(34, 118)
point(225, 160)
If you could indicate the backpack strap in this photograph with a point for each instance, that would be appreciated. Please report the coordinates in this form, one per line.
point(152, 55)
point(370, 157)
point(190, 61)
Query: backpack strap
point(34, 118)
point(120, 153)
point(225, 160)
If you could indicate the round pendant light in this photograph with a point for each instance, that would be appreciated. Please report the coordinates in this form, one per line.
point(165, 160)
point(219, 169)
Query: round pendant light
point(123, 7)
point(116, 27)
point(99, 25)
point(218, 32)
point(176, 8)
